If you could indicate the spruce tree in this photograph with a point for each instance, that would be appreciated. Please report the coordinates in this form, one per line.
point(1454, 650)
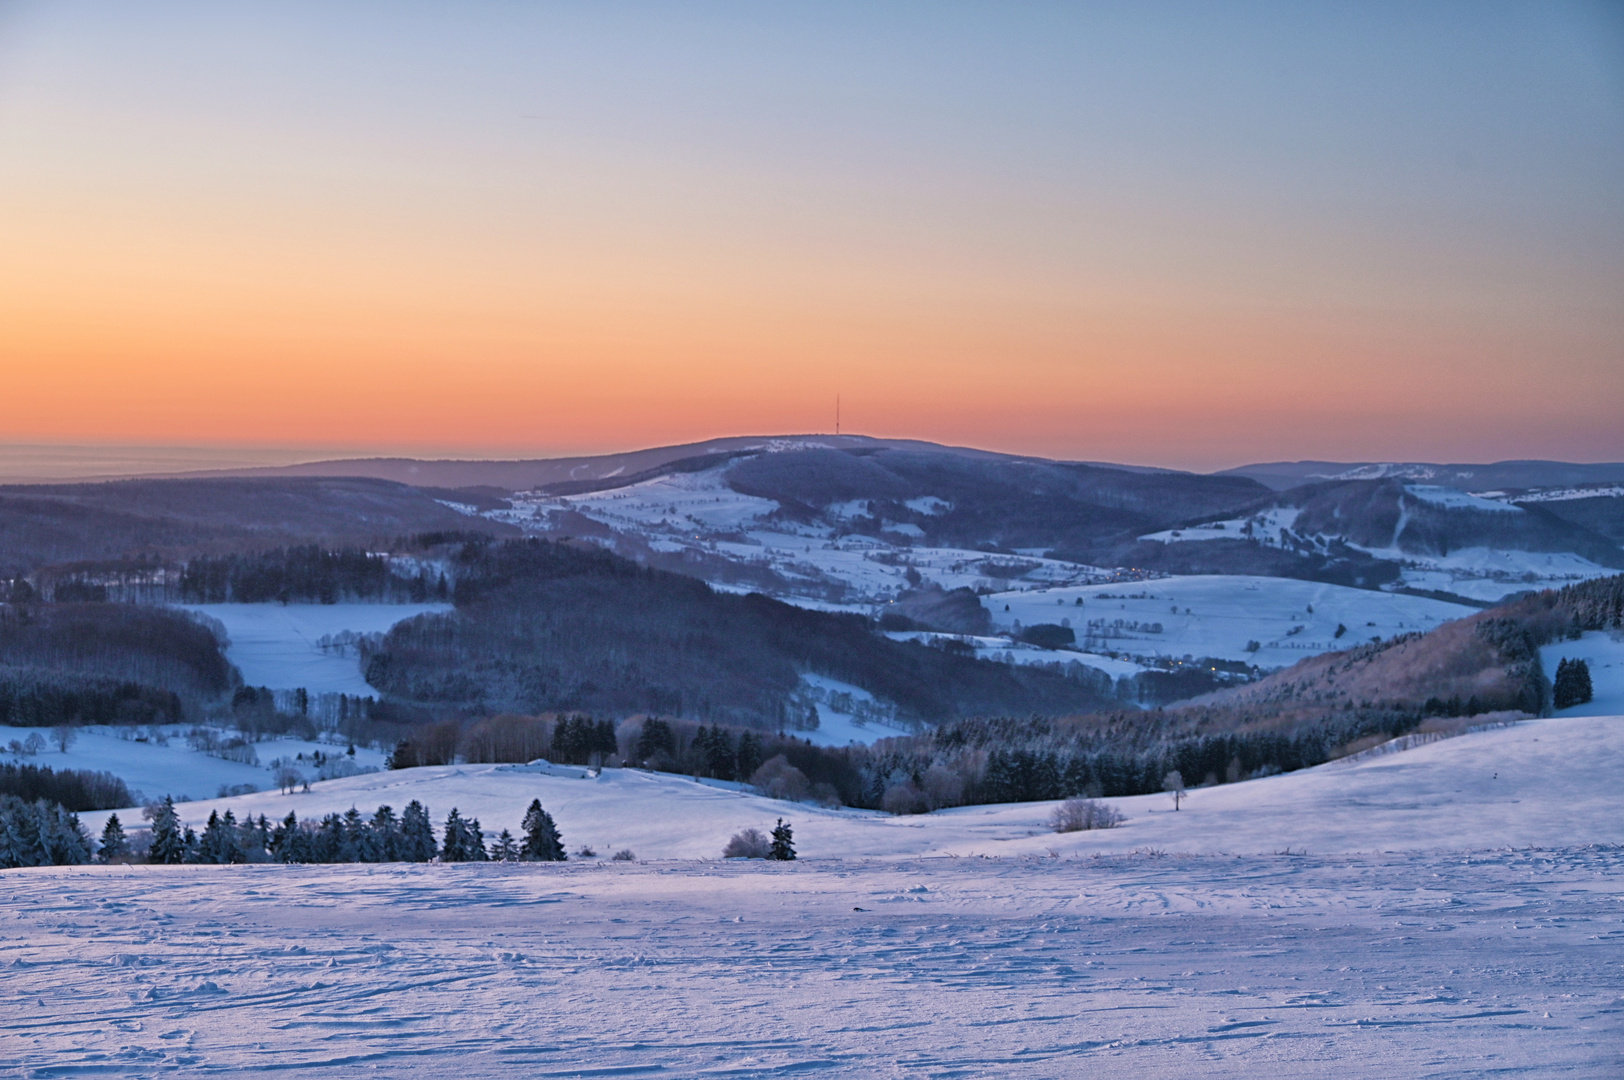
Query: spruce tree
point(783, 848)
point(504, 848)
point(113, 841)
point(282, 839)
point(167, 846)
point(416, 834)
point(189, 846)
point(354, 847)
point(541, 839)
point(329, 840)
point(454, 845)
point(655, 738)
point(1572, 684)
point(386, 835)
point(476, 842)
point(749, 755)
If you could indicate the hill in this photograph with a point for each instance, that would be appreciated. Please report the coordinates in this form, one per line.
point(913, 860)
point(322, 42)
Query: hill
point(170, 520)
point(542, 626)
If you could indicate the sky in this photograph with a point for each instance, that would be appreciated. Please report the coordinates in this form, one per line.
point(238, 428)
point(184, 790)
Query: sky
point(1189, 235)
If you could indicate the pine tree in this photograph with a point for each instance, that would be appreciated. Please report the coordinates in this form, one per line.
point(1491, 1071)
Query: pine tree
point(167, 846)
point(354, 846)
point(113, 841)
point(476, 842)
point(386, 835)
point(541, 839)
point(783, 848)
point(504, 848)
point(719, 753)
point(328, 843)
point(1572, 684)
point(655, 738)
point(416, 834)
point(189, 846)
point(749, 755)
point(455, 843)
point(282, 837)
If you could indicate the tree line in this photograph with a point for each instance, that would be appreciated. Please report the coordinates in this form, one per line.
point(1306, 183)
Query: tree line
point(306, 574)
point(42, 833)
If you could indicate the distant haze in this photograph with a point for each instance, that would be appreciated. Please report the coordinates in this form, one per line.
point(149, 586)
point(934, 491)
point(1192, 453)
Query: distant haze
point(1186, 235)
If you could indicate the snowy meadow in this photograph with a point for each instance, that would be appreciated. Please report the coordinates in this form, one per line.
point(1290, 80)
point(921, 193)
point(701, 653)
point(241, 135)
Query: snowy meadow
point(1451, 910)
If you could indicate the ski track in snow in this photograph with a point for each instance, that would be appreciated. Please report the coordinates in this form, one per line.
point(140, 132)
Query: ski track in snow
point(1151, 966)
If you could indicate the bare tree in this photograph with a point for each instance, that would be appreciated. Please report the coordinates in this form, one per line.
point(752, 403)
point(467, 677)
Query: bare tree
point(64, 736)
point(749, 844)
point(1173, 783)
point(288, 778)
point(1079, 814)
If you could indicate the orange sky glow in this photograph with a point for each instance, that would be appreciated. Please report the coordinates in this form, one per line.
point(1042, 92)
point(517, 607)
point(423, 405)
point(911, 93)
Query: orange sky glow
point(183, 267)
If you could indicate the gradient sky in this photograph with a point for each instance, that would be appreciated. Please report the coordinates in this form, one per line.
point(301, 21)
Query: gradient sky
point(1188, 235)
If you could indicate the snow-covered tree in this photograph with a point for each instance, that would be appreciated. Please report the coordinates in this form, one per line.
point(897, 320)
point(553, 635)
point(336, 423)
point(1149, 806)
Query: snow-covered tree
point(1173, 783)
point(455, 841)
point(167, 845)
point(747, 844)
point(542, 841)
point(113, 841)
point(783, 848)
point(416, 834)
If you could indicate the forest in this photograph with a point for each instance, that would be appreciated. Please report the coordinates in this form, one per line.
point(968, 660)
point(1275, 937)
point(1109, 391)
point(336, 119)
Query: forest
point(543, 627)
point(97, 663)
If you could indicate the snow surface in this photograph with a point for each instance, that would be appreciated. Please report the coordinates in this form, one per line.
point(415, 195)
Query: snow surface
point(156, 770)
point(1566, 494)
point(1603, 651)
point(1491, 574)
point(1477, 935)
point(1267, 527)
point(841, 727)
point(1218, 615)
point(274, 645)
point(1454, 499)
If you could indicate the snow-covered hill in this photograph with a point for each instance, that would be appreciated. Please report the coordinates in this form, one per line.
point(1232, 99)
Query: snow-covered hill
point(1536, 783)
point(1222, 616)
point(1474, 935)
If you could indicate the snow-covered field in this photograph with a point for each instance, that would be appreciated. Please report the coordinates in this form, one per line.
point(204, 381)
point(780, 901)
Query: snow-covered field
point(274, 645)
point(174, 768)
point(1449, 911)
point(1490, 574)
point(1482, 965)
point(1478, 573)
point(1604, 653)
point(1538, 783)
point(1220, 615)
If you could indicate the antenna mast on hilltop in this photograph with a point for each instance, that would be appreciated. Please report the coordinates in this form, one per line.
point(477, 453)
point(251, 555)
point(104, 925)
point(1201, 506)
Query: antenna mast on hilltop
point(837, 414)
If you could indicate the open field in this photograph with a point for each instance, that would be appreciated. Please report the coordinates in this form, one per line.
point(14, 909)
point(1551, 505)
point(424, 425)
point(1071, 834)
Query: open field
point(1466, 965)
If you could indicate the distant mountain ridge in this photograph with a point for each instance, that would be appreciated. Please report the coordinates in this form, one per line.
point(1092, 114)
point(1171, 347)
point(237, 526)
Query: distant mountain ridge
point(1495, 476)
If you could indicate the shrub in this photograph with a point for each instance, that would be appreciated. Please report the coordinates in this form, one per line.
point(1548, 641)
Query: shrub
point(778, 779)
point(625, 854)
point(749, 844)
point(1080, 815)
